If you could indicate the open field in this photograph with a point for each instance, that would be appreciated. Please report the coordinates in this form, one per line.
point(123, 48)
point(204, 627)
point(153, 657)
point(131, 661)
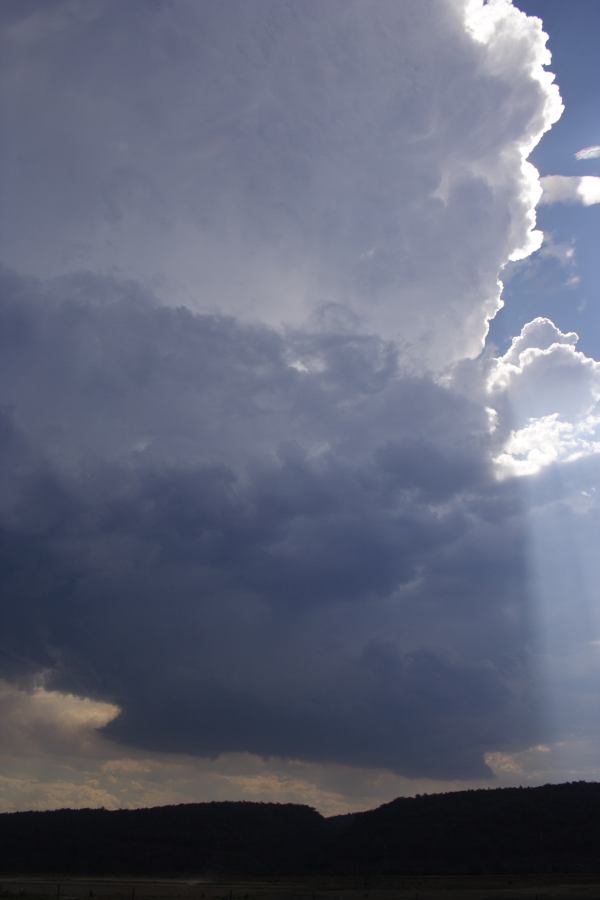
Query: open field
point(417, 888)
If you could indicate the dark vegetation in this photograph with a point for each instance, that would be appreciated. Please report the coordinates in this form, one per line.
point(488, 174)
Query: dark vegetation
point(550, 829)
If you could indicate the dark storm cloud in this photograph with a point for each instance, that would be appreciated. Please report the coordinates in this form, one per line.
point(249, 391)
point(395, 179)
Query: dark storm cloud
point(245, 556)
point(298, 537)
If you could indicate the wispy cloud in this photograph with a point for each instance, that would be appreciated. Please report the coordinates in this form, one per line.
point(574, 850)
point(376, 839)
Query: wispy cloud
point(588, 152)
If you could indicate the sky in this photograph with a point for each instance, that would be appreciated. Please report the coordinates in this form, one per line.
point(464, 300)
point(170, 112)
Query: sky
point(299, 399)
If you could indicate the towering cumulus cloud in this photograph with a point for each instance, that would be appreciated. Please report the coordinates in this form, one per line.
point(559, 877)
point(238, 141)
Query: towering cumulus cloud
point(250, 496)
point(355, 162)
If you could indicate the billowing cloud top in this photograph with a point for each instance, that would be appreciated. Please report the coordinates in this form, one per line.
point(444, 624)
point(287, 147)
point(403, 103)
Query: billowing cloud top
point(249, 482)
point(282, 163)
point(548, 392)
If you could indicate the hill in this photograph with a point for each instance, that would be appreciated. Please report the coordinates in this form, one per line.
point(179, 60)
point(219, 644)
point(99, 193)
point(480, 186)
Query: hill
point(555, 828)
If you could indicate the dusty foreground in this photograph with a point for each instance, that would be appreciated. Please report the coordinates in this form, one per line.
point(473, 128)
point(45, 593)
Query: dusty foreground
point(413, 888)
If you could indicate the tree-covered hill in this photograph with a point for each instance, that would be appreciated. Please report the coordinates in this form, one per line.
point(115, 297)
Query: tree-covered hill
point(555, 828)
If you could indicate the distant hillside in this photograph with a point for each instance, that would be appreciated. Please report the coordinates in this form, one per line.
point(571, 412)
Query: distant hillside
point(555, 828)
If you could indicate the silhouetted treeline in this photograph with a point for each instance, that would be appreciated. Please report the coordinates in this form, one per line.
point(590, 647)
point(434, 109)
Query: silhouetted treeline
point(555, 828)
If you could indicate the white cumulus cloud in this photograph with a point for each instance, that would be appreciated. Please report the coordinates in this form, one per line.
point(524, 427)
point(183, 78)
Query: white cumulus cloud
point(272, 164)
point(584, 189)
point(546, 394)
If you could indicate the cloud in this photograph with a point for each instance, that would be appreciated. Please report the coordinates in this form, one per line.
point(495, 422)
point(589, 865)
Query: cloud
point(36, 717)
point(253, 161)
point(544, 763)
point(546, 393)
point(248, 481)
point(583, 189)
point(221, 545)
point(588, 153)
point(31, 793)
point(562, 251)
point(52, 756)
point(547, 440)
